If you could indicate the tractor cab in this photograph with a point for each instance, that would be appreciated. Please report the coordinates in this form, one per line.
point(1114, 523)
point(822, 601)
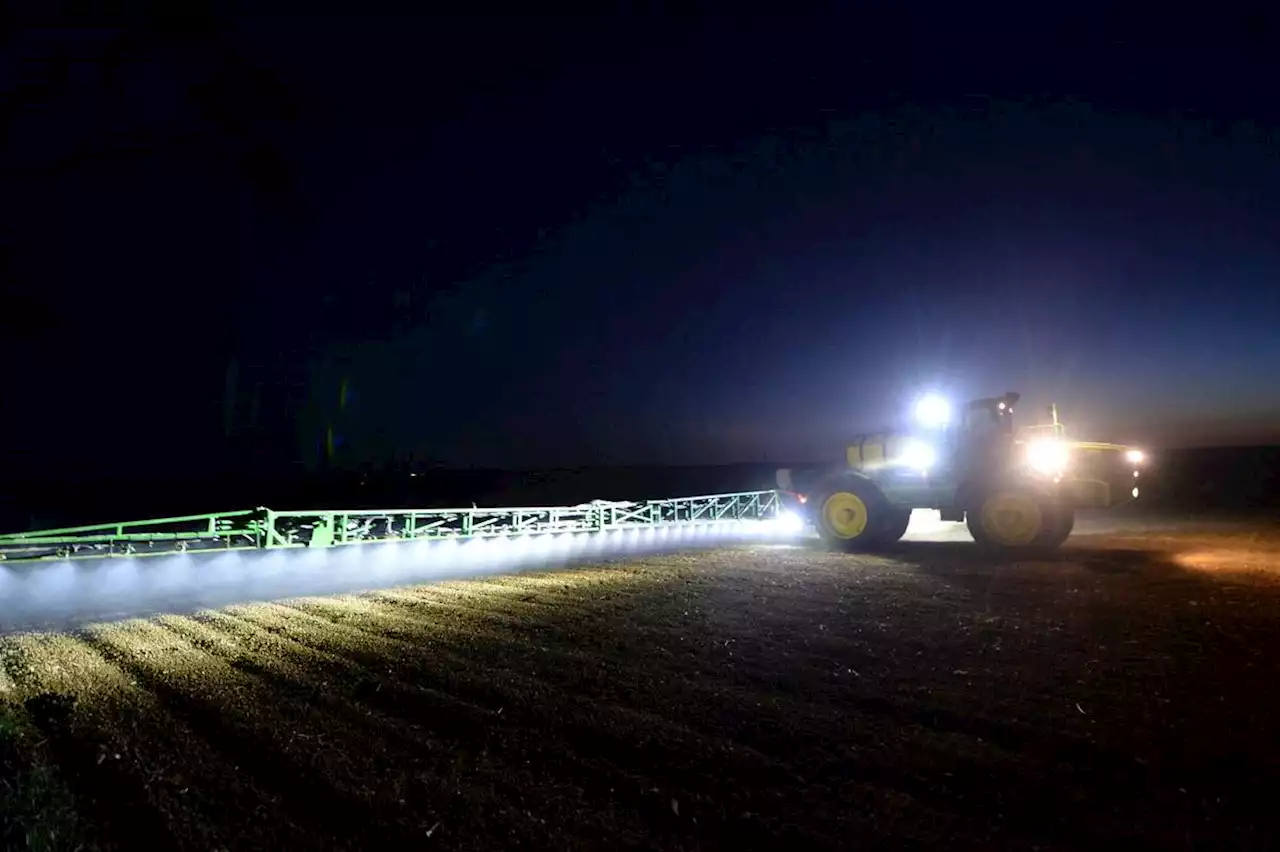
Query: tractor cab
point(984, 435)
point(984, 425)
point(991, 414)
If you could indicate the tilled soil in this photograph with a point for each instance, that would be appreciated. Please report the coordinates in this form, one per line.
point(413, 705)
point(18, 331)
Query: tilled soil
point(1122, 691)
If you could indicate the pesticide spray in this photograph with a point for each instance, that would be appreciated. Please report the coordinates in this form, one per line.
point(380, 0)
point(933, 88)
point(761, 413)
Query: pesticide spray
point(59, 579)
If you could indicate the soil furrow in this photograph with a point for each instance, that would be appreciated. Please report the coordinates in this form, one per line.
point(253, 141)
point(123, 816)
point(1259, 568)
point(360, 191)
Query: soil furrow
point(126, 745)
point(646, 745)
point(479, 755)
point(317, 768)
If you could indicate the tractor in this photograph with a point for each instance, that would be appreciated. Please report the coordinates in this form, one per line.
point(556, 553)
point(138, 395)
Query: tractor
point(1016, 489)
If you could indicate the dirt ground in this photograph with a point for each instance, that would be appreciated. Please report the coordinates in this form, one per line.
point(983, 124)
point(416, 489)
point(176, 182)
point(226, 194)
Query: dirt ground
point(1123, 691)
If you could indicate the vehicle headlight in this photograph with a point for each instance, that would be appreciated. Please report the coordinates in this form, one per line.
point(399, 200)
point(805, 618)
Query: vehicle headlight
point(1135, 456)
point(918, 455)
point(933, 411)
point(1048, 457)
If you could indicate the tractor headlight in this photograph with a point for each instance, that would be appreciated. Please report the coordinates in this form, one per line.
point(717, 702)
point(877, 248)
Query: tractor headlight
point(1135, 457)
point(1048, 457)
point(932, 411)
point(918, 455)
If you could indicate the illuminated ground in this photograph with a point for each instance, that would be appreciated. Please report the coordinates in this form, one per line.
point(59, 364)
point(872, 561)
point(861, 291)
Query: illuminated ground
point(1123, 692)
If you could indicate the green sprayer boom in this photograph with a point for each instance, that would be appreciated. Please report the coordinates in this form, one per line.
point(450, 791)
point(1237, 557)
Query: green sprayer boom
point(266, 529)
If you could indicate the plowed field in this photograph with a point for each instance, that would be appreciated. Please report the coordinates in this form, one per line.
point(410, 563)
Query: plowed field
point(1123, 691)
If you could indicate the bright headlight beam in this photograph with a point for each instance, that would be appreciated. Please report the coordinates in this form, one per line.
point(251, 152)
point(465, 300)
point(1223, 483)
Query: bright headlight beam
point(1135, 456)
point(918, 455)
point(933, 410)
point(1047, 457)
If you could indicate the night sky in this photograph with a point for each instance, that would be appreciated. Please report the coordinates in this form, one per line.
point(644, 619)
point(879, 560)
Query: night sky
point(631, 237)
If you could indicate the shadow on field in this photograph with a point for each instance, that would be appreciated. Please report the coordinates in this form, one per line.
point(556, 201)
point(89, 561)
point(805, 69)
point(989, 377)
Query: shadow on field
point(955, 561)
point(1247, 556)
point(957, 555)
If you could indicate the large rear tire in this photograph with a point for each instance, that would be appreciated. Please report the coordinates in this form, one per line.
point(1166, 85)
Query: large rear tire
point(895, 525)
point(850, 514)
point(1010, 518)
point(1059, 521)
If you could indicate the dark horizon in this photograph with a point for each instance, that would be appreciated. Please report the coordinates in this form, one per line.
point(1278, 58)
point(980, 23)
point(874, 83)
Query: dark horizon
point(248, 238)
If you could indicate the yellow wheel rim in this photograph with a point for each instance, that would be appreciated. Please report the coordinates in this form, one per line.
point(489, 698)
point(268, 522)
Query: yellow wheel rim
point(1011, 518)
point(845, 514)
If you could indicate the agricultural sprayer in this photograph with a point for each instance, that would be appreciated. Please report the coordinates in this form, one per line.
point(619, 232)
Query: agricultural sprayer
point(1014, 488)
